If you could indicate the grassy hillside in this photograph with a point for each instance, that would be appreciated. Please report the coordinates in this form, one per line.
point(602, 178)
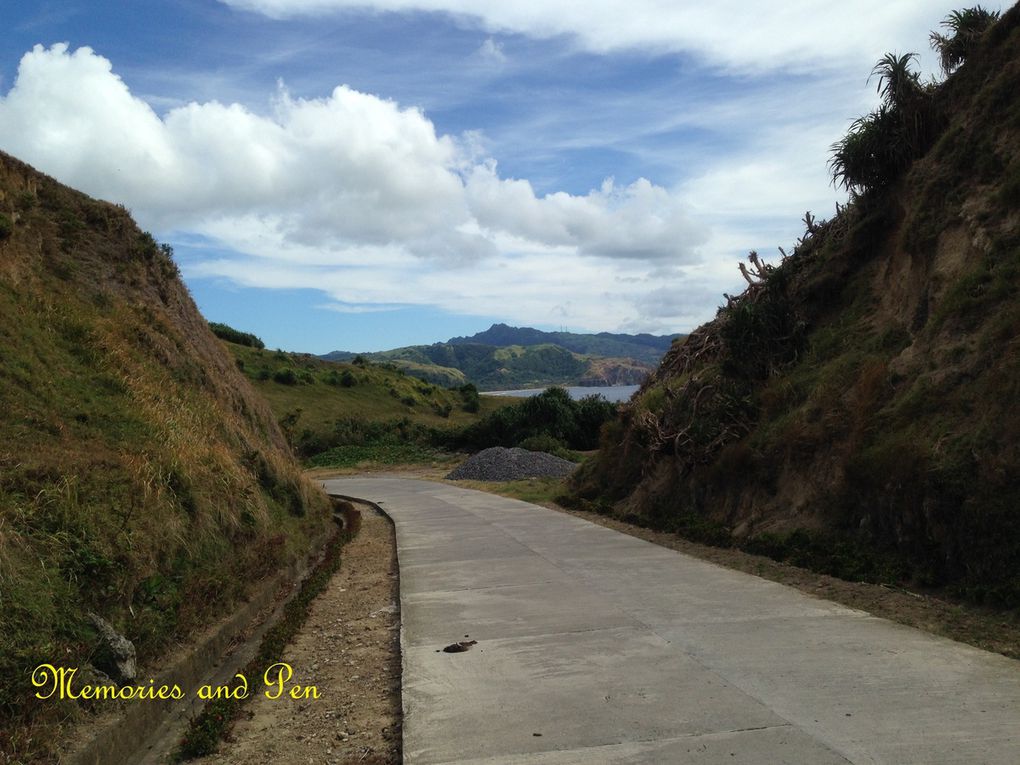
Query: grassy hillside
point(140, 476)
point(855, 409)
point(324, 404)
point(507, 367)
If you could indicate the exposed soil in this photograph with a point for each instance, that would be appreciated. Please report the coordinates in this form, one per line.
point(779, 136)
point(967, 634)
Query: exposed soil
point(349, 649)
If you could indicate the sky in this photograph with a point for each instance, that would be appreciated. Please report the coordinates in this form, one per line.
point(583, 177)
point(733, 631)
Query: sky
point(368, 174)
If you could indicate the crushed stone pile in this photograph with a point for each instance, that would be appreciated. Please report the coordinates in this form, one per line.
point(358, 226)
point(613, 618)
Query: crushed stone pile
point(502, 464)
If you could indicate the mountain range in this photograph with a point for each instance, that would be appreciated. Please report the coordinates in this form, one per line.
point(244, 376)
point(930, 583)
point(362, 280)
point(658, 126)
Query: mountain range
point(522, 357)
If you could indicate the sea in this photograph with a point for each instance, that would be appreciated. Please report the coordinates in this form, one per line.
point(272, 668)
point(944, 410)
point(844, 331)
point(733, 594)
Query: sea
point(609, 392)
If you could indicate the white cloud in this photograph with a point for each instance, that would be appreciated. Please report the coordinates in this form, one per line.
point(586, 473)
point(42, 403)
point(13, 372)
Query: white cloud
point(767, 34)
point(350, 194)
point(640, 221)
point(491, 52)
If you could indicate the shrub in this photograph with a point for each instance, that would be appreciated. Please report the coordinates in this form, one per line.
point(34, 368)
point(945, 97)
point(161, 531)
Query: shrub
point(967, 27)
point(542, 443)
point(348, 380)
point(26, 201)
point(6, 226)
point(552, 414)
point(231, 335)
point(469, 394)
point(285, 376)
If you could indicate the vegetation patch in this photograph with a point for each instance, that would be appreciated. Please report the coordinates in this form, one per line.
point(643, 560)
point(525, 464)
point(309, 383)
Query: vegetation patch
point(140, 477)
point(551, 416)
point(231, 335)
point(856, 400)
point(352, 456)
point(215, 720)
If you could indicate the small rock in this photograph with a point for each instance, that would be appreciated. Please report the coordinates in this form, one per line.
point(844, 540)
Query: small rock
point(463, 645)
point(116, 654)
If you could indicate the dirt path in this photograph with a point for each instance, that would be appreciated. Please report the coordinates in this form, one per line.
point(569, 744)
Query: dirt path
point(349, 650)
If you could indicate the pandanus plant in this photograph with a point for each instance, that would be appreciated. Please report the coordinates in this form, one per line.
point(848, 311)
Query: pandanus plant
point(880, 145)
point(870, 155)
point(899, 86)
point(967, 27)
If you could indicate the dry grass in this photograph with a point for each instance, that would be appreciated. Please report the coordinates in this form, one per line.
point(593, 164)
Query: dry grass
point(140, 475)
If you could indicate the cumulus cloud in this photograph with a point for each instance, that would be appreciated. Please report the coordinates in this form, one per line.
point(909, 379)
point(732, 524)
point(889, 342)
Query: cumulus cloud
point(769, 34)
point(639, 221)
point(349, 167)
point(347, 171)
point(351, 194)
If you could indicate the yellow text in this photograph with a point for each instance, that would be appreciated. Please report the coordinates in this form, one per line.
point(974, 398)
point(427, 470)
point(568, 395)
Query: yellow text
point(277, 677)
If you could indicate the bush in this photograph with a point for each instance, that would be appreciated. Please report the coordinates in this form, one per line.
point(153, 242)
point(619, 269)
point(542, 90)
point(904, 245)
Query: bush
point(285, 376)
point(551, 414)
point(469, 394)
point(231, 335)
point(542, 443)
point(347, 379)
point(6, 226)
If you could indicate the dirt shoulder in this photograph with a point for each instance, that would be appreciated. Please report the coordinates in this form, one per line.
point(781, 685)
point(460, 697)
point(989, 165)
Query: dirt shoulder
point(349, 649)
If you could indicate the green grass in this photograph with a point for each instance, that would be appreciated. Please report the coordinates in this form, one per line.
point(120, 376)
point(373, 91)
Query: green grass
point(353, 456)
point(140, 477)
point(378, 394)
point(538, 491)
point(210, 726)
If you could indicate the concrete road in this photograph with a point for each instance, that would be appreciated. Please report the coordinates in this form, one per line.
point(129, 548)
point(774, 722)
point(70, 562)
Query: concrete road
point(596, 647)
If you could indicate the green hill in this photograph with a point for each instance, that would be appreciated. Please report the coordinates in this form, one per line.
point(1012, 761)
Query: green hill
point(319, 401)
point(505, 357)
point(643, 347)
point(855, 409)
point(140, 476)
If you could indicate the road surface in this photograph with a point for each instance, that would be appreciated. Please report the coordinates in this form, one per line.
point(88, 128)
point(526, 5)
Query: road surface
point(596, 647)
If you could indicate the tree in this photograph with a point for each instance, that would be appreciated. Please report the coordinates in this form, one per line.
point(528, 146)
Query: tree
point(868, 156)
point(880, 145)
point(967, 27)
point(899, 86)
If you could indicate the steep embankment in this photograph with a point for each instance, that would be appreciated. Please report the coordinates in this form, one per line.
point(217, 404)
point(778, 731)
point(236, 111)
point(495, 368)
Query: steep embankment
point(856, 409)
point(140, 476)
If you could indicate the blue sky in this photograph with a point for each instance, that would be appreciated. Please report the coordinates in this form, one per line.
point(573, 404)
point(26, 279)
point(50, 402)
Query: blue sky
point(364, 175)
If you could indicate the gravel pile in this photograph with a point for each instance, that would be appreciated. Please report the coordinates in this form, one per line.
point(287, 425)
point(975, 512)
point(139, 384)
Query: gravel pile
point(501, 464)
